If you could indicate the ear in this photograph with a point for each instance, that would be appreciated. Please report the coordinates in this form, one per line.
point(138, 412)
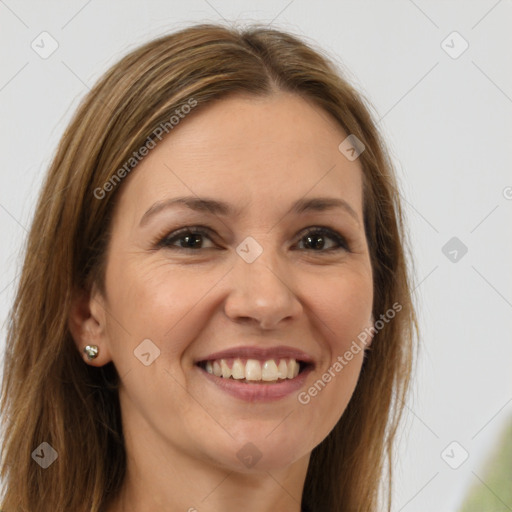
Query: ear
point(87, 325)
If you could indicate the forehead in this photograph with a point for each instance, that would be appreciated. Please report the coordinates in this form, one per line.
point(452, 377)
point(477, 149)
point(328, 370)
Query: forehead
point(261, 151)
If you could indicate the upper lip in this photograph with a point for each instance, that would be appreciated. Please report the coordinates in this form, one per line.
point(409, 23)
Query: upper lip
point(255, 352)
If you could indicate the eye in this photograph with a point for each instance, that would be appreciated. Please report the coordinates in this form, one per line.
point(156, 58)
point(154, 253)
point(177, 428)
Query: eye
point(189, 238)
point(316, 238)
point(192, 239)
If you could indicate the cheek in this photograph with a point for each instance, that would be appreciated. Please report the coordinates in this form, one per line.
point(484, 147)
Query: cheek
point(342, 310)
point(167, 307)
point(343, 307)
point(156, 302)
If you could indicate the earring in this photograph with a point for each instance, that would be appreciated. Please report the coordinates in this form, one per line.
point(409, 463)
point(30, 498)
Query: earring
point(91, 351)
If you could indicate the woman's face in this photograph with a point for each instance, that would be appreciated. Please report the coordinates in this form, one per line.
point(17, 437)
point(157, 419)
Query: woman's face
point(251, 273)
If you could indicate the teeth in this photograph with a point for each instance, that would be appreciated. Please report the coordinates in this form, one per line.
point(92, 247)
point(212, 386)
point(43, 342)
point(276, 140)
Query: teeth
point(293, 369)
point(282, 369)
point(238, 370)
point(226, 372)
point(254, 370)
point(269, 370)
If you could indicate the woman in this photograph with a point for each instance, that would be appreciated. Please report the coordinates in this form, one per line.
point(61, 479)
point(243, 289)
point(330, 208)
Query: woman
point(215, 309)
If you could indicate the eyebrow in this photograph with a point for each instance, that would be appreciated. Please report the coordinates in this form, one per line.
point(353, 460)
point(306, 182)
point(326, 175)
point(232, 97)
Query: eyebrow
point(215, 207)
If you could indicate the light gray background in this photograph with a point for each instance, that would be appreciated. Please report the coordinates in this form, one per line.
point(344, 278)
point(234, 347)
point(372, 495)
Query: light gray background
point(448, 125)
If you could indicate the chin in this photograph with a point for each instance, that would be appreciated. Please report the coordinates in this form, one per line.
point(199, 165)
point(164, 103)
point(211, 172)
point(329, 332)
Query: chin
point(261, 451)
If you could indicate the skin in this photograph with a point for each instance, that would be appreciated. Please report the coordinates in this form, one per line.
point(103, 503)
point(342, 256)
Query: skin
point(182, 433)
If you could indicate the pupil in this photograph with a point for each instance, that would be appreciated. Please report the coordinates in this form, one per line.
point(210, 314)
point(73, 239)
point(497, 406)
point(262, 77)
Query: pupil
point(316, 242)
point(192, 240)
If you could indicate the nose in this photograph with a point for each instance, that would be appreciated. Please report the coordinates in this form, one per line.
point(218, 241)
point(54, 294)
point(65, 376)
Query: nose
point(262, 293)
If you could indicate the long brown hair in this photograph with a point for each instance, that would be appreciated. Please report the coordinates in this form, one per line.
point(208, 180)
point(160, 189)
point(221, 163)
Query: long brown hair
point(50, 395)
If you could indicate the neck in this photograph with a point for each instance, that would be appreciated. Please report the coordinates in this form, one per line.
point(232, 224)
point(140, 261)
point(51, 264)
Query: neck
point(178, 487)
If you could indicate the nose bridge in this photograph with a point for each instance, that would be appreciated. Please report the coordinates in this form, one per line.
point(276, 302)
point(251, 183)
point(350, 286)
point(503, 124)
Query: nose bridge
point(261, 287)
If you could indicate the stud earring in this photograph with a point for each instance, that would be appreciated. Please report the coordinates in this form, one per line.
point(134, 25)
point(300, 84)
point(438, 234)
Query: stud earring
point(91, 351)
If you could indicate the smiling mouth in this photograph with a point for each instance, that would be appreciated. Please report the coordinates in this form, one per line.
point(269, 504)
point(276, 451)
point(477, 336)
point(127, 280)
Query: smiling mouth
point(254, 371)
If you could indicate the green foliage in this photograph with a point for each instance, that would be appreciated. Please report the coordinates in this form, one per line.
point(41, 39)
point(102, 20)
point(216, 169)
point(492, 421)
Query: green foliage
point(494, 492)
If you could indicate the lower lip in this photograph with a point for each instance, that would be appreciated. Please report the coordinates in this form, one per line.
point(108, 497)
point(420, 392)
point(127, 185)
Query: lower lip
point(258, 392)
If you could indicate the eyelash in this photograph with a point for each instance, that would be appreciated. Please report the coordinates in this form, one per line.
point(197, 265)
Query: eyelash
point(168, 240)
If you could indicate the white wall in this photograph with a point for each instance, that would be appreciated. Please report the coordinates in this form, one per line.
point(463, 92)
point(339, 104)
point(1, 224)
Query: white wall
point(448, 124)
